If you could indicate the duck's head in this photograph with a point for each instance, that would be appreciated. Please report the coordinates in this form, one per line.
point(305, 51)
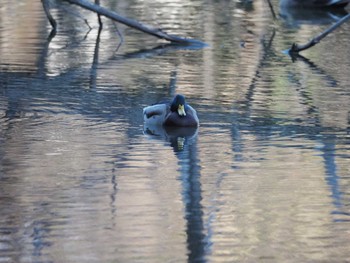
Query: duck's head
point(181, 114)
point(179, 105)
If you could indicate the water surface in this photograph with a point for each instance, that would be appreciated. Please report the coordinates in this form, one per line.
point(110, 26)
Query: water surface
point(265, 178)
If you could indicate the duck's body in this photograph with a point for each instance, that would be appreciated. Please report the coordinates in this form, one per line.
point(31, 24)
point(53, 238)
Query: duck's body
point(315, 3)
point(178, 113)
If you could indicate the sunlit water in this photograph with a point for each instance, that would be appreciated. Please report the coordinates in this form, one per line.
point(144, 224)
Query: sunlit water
point(265, 178)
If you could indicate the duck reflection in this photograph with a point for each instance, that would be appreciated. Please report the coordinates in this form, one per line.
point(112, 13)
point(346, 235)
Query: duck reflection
point(184, 142)
point(177, 136)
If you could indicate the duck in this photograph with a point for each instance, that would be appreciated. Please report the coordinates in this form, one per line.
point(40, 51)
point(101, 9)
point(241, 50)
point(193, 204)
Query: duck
point(175, 114)
point(315, 3)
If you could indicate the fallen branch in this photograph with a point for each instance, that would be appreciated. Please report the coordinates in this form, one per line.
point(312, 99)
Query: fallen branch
point(272, 10)
point(97, 2)
point(46, 6)
point(157, 32)
point(297, 48)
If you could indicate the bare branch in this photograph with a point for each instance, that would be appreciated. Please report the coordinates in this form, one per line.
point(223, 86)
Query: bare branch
point(271, 9)
point(97, 2)
point(297, 48)
point(120, 37)
point(46, 6)
point(157, 32)
point(70, 11)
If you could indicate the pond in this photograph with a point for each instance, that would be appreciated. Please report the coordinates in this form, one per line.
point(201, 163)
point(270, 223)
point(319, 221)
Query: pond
point(265, 177)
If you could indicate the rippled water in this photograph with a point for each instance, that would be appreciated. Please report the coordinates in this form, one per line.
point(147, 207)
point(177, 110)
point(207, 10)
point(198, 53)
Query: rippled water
point(265, 178)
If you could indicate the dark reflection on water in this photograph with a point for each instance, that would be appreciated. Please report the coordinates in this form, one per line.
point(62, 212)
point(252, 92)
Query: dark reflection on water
point(296, 17)
point(184, 142)
point(192, 197)
point(264, 178)
point(177, 136)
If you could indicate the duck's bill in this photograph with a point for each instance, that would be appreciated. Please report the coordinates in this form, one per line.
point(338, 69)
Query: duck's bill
point(181, 110)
